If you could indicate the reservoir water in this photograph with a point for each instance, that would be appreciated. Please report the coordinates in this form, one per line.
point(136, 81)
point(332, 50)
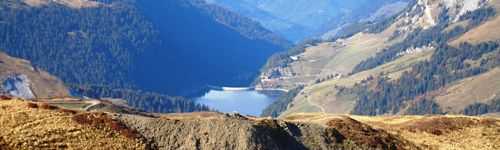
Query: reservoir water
point(247, 102)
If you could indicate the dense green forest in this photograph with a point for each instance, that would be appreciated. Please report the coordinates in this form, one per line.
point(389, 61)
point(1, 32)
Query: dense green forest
point(245, 26)
point(136, 45)
point(146, 101)
point(482, 108)
point(203, 49)
point(84, 46)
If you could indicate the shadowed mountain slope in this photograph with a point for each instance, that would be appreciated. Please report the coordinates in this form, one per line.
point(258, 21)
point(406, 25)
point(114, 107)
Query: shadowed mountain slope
point(141, 45)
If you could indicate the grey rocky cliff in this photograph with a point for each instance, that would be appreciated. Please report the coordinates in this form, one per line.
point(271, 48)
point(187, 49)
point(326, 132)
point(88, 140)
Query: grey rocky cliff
point(18, 86)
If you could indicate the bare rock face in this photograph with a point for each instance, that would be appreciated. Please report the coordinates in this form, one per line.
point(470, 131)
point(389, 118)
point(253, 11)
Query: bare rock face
point(427, 13)
point(220, 131)
point(18, 86)
point(20, 79)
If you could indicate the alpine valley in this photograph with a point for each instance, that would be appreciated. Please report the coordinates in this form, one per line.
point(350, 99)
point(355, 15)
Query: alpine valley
point(300, 74)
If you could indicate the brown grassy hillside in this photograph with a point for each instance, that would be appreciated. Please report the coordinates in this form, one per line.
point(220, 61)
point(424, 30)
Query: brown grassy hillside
point(30, 126)
point(478, 89)
point(226, 131)
point(426, 132)
point(442, 132)
point(488, 31)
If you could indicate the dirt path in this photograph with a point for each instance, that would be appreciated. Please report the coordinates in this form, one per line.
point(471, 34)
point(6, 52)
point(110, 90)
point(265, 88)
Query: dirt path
point(92, 104)
point(323, 110)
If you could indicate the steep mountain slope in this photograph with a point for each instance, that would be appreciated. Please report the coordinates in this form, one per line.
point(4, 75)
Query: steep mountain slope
point(303, 19)
point(406, 68)
point(19, 78)
point(140, 45)
point(38, 125)
point(201, 54)
point(482, 89)
point(483, 33)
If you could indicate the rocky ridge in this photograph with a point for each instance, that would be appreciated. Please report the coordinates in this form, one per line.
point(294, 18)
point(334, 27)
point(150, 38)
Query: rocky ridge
point(39, 125)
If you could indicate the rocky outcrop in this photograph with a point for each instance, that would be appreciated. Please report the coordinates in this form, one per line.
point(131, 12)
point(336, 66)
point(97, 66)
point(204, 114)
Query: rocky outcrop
point(40, 125)
point(429, 13)
point(20, 79)
point(18, 86)
point(223, 131)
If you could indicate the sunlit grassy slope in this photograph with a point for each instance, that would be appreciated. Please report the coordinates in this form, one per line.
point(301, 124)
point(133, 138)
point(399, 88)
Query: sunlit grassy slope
point(25, 127)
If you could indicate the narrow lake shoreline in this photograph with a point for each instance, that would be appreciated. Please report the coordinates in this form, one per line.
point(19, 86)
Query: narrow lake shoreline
point(241, 100)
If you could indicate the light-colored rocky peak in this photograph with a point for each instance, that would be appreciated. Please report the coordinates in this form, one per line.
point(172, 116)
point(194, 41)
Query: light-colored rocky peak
point(458, 8)
point(429, 13)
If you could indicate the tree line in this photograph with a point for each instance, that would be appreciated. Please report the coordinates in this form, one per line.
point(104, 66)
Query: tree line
point(146, 101)
point(381, 95)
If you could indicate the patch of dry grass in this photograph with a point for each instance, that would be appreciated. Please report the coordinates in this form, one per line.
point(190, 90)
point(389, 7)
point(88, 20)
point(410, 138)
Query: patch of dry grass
point(478, 89)
point(442, 132)
point(364, 134)
point(104, 121)
point(427, 132)
point(325, 93)
point(477, 138)
point(24, 126)
point(488, 31)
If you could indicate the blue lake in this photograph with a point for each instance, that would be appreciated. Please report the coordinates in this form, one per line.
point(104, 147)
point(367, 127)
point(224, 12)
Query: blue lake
point(244, 102)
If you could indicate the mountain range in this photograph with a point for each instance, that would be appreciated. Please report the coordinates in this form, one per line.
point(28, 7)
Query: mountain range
point(436, 57)
point(395, 74)
point(303, 19)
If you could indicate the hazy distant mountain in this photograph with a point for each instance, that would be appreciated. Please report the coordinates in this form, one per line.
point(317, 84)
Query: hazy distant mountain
point(300, 19)
point(203, 45)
